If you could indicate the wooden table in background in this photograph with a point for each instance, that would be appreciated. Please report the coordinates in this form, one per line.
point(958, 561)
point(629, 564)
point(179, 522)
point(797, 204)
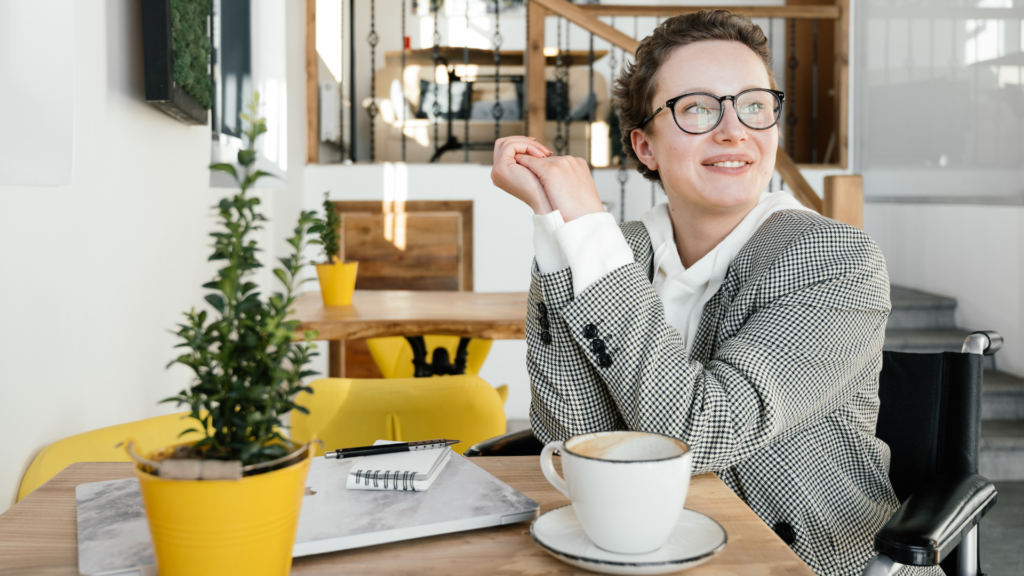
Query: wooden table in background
point(377, 313)
point(38, 536)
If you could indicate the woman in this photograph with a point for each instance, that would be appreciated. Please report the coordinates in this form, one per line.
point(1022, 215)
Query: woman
point(737, 321)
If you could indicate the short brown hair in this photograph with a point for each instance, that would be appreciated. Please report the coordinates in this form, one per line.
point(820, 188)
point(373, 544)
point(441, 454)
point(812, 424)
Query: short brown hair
point(634, 88)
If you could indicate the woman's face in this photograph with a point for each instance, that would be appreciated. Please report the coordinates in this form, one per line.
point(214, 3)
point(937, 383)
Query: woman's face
point(687, 162)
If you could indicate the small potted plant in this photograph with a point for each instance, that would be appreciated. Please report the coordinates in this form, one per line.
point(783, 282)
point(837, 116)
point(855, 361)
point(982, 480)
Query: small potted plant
point(229, 503)
point(337, 278)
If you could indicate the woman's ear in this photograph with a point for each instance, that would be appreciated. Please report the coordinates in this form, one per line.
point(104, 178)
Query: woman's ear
point(642, 149)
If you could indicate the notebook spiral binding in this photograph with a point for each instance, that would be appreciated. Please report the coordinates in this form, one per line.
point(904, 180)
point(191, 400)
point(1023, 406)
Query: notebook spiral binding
point(407, 477)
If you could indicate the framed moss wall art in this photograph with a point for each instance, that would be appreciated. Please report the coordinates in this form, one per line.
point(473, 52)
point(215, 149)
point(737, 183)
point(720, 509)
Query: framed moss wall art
point(176, 53)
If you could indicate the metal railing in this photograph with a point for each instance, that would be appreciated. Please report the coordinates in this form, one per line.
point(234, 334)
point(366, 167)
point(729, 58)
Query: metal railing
point(814, 127)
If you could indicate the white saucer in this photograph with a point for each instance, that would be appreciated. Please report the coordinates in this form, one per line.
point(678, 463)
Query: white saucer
point(695, 539)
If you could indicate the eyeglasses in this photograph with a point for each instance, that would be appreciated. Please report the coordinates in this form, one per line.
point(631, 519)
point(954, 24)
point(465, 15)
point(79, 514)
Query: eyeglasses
point(699, 113)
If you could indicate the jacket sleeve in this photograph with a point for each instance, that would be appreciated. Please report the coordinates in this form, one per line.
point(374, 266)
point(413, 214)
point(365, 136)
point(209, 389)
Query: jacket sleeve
point(806, 333)
point(568, 396)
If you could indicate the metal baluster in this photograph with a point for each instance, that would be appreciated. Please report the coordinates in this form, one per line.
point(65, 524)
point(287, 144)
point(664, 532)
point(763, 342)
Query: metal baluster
point(791, 118)
point(404, 106)
point(814, 91)
point(566, 109)
point(373, 38)
point(467, 101)
point(497, 111)
point(591, 103)
point(623, 176)
point(436, 38)
point(612, 63)
point(559, 139)
point(352, 79)
point(885, 49)
point(910, 51)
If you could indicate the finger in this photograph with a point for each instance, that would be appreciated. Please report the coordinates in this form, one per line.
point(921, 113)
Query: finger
point(531, 162)
point(522, 146)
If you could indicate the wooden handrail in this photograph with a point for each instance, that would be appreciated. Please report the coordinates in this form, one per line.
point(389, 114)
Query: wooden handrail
point(792, 12)
point(578, 16)
point(791, 175)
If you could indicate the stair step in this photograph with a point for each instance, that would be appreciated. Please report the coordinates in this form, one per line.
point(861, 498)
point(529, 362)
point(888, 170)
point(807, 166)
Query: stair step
point(1002, 397)
point(913, 309)
point(1001, 452)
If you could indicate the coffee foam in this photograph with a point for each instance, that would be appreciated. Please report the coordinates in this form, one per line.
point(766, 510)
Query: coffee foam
point(626, 446)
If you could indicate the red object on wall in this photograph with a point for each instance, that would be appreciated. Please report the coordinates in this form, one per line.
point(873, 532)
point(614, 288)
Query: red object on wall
point(405, 43)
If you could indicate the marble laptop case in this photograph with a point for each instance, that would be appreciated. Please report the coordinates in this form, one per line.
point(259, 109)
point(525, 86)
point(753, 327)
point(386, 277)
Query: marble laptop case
point(113, 537)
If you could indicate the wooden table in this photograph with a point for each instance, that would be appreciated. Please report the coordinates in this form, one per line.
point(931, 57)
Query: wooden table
point(38, 535)
point(376, 313)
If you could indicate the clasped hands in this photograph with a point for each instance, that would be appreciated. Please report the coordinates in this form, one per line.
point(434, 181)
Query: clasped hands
point(529, 171)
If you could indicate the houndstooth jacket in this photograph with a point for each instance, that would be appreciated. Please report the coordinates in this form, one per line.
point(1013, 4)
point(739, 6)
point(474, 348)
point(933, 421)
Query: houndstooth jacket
point(778, 396)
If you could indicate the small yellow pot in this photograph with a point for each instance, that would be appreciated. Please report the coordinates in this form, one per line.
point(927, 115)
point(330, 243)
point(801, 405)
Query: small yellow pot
point(337, 282)
point(217, 527)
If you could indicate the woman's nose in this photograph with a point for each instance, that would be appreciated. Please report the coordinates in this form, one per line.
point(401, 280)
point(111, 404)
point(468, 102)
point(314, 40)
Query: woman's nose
point(730, 129)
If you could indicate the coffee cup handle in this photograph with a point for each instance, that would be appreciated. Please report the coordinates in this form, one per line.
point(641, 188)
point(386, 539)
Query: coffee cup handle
point(548, 468)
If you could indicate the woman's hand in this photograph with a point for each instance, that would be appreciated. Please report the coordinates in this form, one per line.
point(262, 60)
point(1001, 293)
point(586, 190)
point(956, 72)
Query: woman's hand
point(567, 181)
point(516, 179)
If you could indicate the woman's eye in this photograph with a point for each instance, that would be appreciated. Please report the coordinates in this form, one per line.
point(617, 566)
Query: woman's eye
point(696, 109)
point(752, 108)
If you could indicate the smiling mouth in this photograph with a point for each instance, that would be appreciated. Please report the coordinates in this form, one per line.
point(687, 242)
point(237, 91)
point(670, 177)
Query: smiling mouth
point(731, 164)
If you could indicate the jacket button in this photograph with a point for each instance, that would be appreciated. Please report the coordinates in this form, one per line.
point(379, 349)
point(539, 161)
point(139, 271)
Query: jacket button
point(786, 532)
point(545, 337)
point(543, 308)
point(590, 331)
point(604, 360)
point(597, 345)
point(544, 324)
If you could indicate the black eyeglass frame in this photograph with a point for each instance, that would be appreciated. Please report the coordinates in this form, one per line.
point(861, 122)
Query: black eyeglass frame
point(671, 105)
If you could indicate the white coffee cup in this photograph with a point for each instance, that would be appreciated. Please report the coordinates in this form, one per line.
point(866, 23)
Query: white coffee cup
point(627, 488)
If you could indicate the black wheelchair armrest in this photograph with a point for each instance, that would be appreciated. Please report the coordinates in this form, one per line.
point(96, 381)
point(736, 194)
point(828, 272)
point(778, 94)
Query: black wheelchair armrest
point(931, 523)
point(521, 443)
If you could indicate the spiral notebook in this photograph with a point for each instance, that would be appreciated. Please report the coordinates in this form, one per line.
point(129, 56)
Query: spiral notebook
point(414, 470)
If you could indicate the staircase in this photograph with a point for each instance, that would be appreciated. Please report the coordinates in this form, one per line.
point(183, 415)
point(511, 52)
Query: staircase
point(922, 322)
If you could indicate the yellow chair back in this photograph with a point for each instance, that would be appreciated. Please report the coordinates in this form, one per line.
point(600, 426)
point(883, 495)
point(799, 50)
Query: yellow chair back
point(345, 412)
point(393, 354)
point(99, 446)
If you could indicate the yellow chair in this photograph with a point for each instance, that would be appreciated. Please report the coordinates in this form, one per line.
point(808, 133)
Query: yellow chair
point(393, 354)
point(346, 412)
point(99, 446)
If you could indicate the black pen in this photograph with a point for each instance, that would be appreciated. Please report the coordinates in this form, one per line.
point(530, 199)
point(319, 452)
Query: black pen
point(390, 448)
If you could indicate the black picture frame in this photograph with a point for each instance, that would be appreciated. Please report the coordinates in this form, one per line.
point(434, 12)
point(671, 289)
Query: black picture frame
point(161, 90)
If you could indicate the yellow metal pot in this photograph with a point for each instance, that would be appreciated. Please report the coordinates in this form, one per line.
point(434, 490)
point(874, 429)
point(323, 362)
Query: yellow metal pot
point(337, 282)
point(218, 527)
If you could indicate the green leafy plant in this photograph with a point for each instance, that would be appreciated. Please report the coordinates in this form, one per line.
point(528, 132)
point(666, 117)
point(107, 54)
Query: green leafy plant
point(247, 366)
point(190, 49)
point(329, 233)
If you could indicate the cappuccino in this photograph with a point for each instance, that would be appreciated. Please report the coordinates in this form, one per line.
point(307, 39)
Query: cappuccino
point(626, 446)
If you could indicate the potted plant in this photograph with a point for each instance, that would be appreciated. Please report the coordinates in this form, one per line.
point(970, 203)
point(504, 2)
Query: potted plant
point(229, 503)
point(337, 278)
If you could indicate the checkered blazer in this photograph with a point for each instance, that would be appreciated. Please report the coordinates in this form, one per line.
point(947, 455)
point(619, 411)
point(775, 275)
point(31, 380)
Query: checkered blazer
point(778, 397)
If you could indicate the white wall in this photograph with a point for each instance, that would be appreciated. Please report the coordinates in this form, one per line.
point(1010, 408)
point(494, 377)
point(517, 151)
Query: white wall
point(972, 253)
point(41, 154)
point(97, 273)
